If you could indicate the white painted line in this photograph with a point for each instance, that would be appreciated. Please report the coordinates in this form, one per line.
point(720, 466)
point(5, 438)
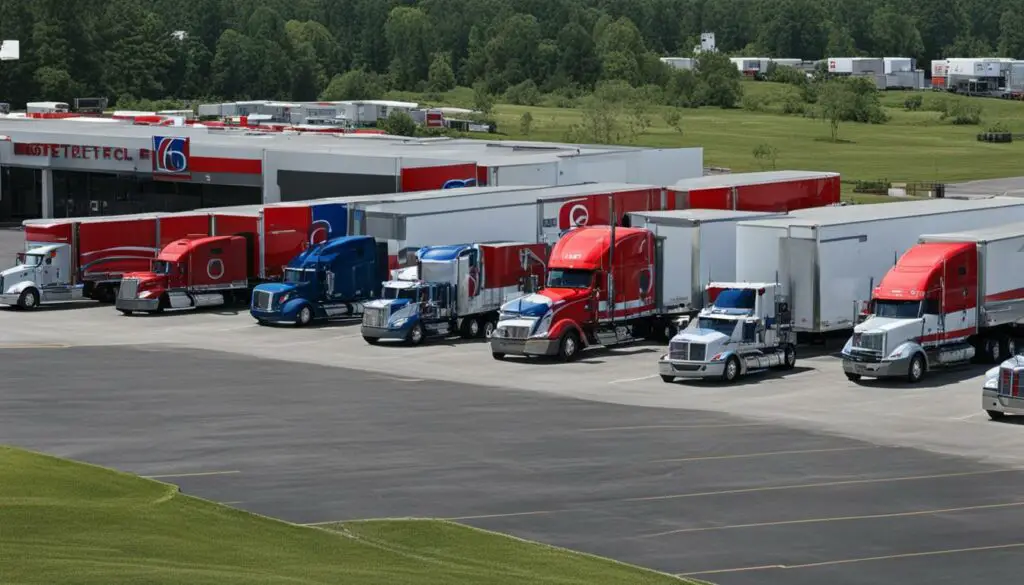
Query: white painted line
point(633, 379)
point(199, 474)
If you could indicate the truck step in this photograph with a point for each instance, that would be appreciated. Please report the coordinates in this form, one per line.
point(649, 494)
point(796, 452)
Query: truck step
point(613, 336)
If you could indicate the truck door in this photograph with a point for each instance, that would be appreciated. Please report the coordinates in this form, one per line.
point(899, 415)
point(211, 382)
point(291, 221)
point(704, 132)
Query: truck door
point(468, 280)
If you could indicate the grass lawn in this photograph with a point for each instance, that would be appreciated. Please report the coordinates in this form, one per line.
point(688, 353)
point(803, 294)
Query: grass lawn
point(911, 147)
point(71, 523)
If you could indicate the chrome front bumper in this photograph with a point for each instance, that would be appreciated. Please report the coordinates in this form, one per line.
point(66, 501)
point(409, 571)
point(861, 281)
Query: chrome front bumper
point(512, 346)
point(883, 369)
point(692, 370)
point(145, 305)
point(9, 299)
point(993, 400)
point(383, 332)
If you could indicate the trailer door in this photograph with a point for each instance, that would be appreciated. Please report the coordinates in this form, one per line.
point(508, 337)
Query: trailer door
point(799, 264)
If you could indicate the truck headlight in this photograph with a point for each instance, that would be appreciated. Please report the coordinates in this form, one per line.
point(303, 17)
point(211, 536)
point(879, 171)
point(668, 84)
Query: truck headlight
point(284, 298)
point(543, 326)
point(899, 353)
point(717, 357)
point(399, 322)
point(991, 384)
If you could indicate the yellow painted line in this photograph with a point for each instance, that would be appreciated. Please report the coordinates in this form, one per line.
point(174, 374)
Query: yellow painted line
point(198, 474)
point(695, 426)
point(585, 507)
point(821, 484)
point(763, 454)
point(33, 345)
point(862, 559)
point(839, 519)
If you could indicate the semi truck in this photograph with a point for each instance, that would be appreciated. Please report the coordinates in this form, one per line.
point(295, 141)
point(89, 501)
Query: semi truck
point(764, 191)
point(656, 272)
point(828, 259)
point(747, 328)
point(85, 258)
point(951, 298)
point(328, 280)
point(452, 289)
point(1003, 391)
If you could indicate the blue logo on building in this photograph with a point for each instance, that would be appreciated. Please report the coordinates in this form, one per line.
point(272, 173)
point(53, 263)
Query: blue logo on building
point(458, 183)
point(170, 155)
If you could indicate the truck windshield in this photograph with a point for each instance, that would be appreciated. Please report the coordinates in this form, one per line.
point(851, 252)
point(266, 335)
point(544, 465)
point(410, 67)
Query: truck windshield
point(400, 293)
point(898, 309)
point(162, 267)
point(558, 278)
point(29, 259)
point(295, 275)
point(723, 326)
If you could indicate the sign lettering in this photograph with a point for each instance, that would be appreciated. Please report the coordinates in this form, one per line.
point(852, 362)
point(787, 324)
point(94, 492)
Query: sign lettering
point(73, 151)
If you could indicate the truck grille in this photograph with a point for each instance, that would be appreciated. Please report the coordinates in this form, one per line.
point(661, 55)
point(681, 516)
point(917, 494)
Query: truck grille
point(692, 352)
point(1011, 382)
point(517, 331)
point(128, 289)
point(375, 317)
point(870, 341)
point(262, 299)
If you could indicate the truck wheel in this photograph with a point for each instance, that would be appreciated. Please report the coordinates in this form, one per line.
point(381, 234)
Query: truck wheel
point(125, 311)
point(471, 328)
point(262, 322)
point(853, 377)
point(29, 300)
point(669, 331)
point(732, 370)
point(993, 351)
point(569, 346)
point(497, 355)
point(488, 328)
point(415, 336)
point(916, 371)
point(1008, 346)
point(789, 358)
point(305, 316)
point(668, 379)
point(995, 414)
point(371, 340)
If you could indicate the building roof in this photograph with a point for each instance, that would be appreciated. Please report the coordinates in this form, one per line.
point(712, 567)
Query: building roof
point(740, 179)
point(990, 234)
point(823, 216)
point(696, 216)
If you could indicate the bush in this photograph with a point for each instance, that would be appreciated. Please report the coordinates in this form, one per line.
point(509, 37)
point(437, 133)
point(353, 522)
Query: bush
point(962, 113)
point(755, 103)
point(875, 187)
point(398, 123)
point(793, 105)
point(790, 75)
point(913, 103)
point(523, 94)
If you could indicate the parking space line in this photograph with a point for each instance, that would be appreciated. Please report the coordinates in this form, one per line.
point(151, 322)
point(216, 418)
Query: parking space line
point(861, 560)
point(593, 505)
point(634, 379)
point(765, 454)
point(839, 519)
point(197, 474)
point(654, 427)
point(34, 346)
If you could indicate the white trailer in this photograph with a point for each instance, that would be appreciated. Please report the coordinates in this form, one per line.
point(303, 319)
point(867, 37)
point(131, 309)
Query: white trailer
point(699, 246)
point(828, 259)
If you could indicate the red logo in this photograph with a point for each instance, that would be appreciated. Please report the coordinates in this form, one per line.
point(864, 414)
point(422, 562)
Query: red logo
point(573, 213)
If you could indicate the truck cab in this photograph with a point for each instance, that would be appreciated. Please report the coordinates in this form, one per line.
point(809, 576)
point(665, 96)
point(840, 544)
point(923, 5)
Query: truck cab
point(409, 309)
point(189, 273)
point(1003, 390)
point(747, 328)
point(327, 280)
point(40, 275)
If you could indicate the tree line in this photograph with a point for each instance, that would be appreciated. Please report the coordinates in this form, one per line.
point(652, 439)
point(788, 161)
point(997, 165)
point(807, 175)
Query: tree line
point(129, 50)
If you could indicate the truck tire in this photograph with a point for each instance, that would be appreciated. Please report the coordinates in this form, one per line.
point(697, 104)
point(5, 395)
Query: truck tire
point(853, 377)
point(29, 300)
point(487, 326)
point(916, 371)
point(415, 336)
point(497, 355)
point(569, 346)
point(667, 379)
point(125, 312)
point(789, 357)
point(371, 340)
point(668, 331)
point(993, 351)
point(470, 328)
point(731, 373)
point(995, 414)
point(1008, 346)
point(304, 317)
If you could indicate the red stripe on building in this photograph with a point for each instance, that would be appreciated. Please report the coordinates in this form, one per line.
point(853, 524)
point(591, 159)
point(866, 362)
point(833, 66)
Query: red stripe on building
point(238, 166)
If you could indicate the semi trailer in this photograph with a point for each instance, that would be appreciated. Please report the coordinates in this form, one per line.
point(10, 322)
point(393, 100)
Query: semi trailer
point(328, 280)
point(828, 259)
point(452, 289)
point(951, 298)
point(764, 191)
point(86, 258)
point(746, 329)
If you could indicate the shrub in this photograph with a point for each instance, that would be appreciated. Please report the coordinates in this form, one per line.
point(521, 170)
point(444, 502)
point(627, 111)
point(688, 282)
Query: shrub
point(523, 94)
point(962, 113)
point(913, 103)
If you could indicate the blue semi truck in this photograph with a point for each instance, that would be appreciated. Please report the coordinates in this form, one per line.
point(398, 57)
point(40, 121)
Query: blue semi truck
point(329, 280)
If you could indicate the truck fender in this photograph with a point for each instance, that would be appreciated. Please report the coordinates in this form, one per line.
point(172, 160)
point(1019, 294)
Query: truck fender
point(909, 348)
point(290, 310)
point(21, 287)
point(559, 328)
point(732, 353)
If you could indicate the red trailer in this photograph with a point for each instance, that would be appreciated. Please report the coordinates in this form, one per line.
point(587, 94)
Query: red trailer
point(768, 191)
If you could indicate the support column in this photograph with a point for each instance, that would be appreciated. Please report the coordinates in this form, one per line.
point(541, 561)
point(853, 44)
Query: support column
point(47, 193)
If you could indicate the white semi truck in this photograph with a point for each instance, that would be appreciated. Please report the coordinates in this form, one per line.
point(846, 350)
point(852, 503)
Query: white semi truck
point(40, 275)
point(1003, 391)
point(747, 328)
point(949, 299)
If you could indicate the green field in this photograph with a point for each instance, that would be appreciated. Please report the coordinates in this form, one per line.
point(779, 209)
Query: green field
point(71, 523)
point(912, 147)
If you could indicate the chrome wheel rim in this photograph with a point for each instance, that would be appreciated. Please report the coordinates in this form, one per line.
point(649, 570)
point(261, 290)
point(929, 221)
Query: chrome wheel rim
point(488, 329)
point(915, 369)
point(570, 346)
point(474, 327)
point(30, 300)
point(730, 370)
point(417, 334)
point(304, 315)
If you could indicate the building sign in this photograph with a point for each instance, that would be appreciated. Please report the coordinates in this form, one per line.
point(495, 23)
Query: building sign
point(73, 151)
point(171, 156)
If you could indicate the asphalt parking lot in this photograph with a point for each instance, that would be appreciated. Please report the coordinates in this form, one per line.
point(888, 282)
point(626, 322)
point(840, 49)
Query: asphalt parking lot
point(727, 499)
